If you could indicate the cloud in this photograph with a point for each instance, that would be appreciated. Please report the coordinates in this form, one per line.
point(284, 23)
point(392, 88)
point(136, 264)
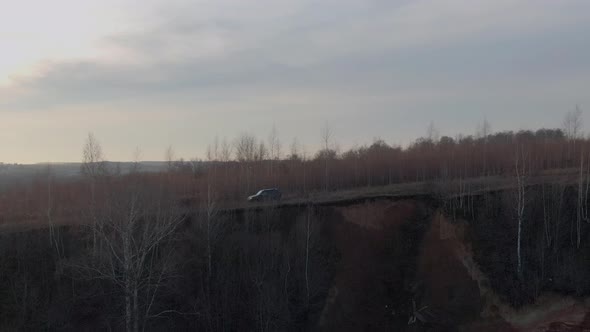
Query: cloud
point(363, 65)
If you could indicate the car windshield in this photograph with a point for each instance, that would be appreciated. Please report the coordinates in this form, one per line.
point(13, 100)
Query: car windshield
point(260, 192)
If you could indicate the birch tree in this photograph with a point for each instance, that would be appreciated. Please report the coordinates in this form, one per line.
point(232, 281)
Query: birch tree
point(572, 128)
point(169, 157)
point(274, 148)
point(327, 142)
point(583, 187)
point(213, 150)
point(226, 150)
point(432, 133)
point(294, 150)
point(54, 234)
point(307, 238)
point(572, 123)
point(483, 132)
point(93, 164)
point(211, 224)
point(520, 166)
point(135, 224)
point(93, 167)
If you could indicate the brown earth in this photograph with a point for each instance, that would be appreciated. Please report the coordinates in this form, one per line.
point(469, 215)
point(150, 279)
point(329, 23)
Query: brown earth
point(357, 301)
point(442, 288)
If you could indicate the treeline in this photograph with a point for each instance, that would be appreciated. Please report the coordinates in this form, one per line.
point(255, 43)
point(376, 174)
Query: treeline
point(379, 163)
point(234, 169)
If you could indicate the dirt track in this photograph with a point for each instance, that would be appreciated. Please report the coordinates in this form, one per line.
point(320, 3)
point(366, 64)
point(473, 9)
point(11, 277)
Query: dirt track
point(442, 188)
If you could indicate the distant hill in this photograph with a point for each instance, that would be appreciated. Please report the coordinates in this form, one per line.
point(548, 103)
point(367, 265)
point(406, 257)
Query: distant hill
point(11, 174)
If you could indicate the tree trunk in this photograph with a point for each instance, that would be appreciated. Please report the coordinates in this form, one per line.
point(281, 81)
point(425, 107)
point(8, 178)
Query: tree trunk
point(128, 314)
point(307, 235)
point(520, 166)
point(326, 175)
point(518, 249)
point(580, 200)
point(93, 216)
point(135, 307)
point(129, 321)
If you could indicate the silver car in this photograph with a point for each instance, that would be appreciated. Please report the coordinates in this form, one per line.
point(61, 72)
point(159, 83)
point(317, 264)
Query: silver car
point(266, 195)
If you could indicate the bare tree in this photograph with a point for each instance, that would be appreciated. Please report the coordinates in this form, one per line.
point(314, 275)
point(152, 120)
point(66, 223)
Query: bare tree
point(210, 216)
point(520, 166)
point(226, 150)
point(211, 223)
point(583, 189)
point(294, 153)
point(136, 163)
point(245, 146)
point(274, 148)
point(586, 180)
point(307, 237)
point(213, 150)
point(483, 132)
point(327, 137)
point(134, 225)
point(169, 157)
point(572, 123)
point(304, 163)
point(54, 234)
point(546, 219)
point(246, 152)
point(327, 143)
point(309, 263)
point(572, 128)
point(93, 164)
point(261, 152)
point(48, 212)
point(432, 133)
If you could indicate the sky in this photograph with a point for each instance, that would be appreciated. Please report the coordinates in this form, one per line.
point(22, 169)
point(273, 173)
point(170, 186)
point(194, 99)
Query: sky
point(156, 73)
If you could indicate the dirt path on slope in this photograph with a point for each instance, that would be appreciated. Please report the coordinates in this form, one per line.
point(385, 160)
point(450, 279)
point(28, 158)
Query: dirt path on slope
point(550, 313)
point(393, 253)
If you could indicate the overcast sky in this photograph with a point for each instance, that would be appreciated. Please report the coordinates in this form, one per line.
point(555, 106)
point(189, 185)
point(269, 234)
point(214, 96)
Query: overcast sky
point(151, 73)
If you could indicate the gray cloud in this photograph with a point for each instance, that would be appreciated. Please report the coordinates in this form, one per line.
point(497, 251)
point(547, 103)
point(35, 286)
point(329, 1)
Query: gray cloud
point(375, 68)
